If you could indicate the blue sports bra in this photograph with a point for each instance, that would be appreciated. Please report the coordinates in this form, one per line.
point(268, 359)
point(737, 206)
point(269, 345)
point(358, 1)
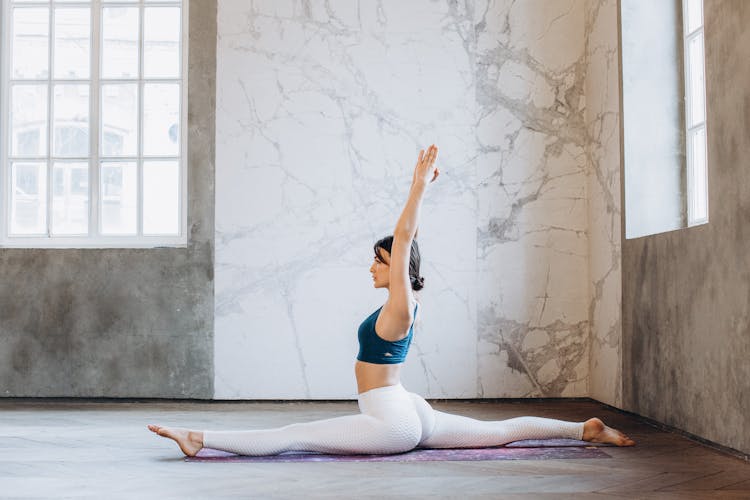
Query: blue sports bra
point(374, 349)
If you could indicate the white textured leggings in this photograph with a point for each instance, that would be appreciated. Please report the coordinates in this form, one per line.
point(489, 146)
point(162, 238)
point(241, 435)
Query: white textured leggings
point(392, 420)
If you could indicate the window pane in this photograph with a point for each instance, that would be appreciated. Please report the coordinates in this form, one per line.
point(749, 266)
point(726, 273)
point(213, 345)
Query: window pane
point(119, 120)
point(161, 43)
point(28, 120)
point(70, 198)
point(120, 42)
point(72, 32)
point(71, 115)
point(161, 118)
point(694, 15)
point(29, 198)
point(697, 86)
point(54, 119)
point(698, 156)
point(30, 43)
point(161, 187)
point(119, 194)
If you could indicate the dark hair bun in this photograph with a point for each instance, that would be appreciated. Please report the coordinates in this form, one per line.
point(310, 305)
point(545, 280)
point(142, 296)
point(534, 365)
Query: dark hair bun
point(417, 282)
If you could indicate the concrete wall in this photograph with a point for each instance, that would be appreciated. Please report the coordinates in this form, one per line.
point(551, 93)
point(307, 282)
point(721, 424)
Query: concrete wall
point(122, 322)
point(686, 294)
point(653, 118)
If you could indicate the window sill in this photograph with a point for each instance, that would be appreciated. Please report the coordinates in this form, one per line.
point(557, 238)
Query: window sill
point(665, 231)
point(74, 243)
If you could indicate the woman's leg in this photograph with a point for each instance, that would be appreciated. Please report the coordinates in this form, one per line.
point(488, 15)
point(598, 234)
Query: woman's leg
point(387, 424)
point(445, 430)
point(456, 431)
point(349, 434)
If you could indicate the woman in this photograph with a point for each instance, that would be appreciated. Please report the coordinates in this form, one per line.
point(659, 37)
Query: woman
point(392, 420)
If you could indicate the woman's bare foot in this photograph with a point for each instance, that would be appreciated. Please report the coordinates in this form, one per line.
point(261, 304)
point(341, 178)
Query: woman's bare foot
point(190, 442)
point(595, 431)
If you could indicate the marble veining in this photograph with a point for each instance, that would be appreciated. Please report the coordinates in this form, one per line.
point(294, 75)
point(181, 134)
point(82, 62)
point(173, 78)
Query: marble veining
point(321, 109)
point(605, 212)
point(531, 217)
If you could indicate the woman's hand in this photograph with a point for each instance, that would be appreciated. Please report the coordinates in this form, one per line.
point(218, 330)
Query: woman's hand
point(425, 171)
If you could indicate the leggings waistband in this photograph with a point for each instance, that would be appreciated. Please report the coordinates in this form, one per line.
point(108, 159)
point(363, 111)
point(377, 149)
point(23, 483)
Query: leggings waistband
point(383, 390)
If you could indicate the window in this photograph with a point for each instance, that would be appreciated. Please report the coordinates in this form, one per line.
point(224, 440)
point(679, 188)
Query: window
point(653, 118)
point(92, 115)
point(695, 112)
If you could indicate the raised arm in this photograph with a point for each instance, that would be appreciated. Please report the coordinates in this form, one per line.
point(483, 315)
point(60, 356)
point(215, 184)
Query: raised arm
point(397, 313)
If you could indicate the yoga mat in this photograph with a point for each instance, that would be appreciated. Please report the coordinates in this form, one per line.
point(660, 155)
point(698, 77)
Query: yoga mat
point(519, 450)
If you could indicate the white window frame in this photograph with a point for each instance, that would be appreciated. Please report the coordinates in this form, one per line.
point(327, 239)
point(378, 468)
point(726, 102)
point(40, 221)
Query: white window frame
point(692, 195)
point(94, 239)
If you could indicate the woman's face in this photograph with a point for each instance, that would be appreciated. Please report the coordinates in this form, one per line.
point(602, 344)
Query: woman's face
point(380, 269)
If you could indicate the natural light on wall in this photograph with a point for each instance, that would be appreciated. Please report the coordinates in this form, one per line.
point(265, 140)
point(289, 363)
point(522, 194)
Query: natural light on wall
point(92, 118)
point(695, 112)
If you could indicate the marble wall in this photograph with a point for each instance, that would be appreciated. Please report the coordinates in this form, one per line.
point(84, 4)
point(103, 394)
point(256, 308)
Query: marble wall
point(532, 252)
point(321, 109)
point(604, 199)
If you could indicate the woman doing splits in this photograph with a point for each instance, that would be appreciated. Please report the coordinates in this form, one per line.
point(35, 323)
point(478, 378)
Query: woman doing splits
point(392, 420)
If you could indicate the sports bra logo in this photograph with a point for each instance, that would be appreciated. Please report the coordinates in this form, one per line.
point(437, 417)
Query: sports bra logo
point(388, 354)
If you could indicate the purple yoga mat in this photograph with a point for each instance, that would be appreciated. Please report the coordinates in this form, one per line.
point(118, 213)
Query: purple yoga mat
point(519, 450)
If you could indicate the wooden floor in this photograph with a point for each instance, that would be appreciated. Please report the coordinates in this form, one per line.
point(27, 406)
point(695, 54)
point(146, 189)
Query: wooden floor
point(103, 450)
